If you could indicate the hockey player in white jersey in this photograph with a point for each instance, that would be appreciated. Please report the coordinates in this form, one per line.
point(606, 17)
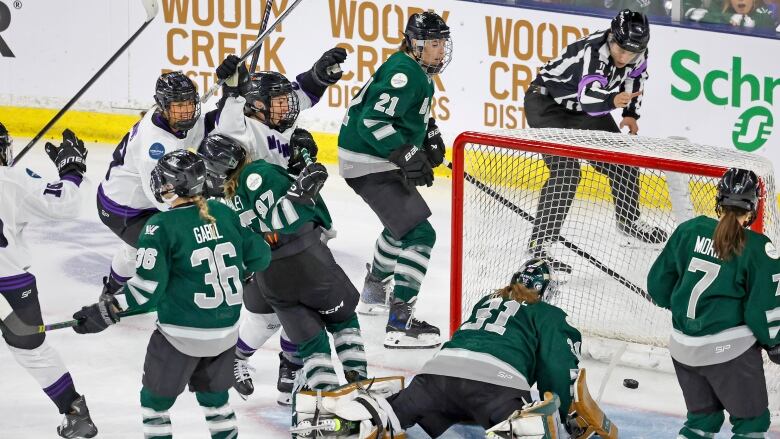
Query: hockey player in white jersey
point(124, 199)
point(26, 198)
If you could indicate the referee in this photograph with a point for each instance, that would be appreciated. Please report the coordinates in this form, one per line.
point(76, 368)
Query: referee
point(593, 76)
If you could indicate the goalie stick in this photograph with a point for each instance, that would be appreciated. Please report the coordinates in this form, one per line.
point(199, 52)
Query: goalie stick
point(151, 8)
point(568, 244)
point(258, 42)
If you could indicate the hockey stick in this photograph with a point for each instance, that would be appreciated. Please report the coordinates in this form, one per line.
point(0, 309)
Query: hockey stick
point(13, 323)
point(151, 8)
point(258, 42)
point(263, 25)
point(568, 244)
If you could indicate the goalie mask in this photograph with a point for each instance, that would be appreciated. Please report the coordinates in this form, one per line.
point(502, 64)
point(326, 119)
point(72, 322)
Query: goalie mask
point(178, 100)
point(428, 40)
point(535, 274)
point(222, 155)
point(739, 188)
point(272, 95)
point(6, 147)
point(180, 172)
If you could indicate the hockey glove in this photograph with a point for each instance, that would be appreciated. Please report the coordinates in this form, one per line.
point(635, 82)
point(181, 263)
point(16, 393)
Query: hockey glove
point(434, 146)
point(299, 141)
point(325, 71)
point(70, 157)
point(414, 164)
point(235, 74)
point(774, 353)
point(308, 184)
point(98, 316)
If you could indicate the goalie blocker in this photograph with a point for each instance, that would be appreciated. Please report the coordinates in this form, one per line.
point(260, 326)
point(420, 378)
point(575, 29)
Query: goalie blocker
point(365, 410)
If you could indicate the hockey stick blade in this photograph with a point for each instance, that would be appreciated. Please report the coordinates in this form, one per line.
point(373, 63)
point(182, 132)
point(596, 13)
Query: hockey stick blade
point(151, 7)
point(258, 42)
point(568, 244)
point(263, 25)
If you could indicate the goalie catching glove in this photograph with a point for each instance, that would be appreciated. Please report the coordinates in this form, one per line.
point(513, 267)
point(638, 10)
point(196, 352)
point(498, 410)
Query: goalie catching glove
point(414, 164)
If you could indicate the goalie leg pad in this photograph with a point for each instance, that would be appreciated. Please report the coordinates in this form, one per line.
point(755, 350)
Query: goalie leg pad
point(538, 420)
point(585, 416)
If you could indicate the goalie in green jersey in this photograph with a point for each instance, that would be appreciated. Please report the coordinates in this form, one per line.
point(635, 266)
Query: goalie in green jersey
point(512, 340)
point(309, 292)
point(190, 266)
point(720, 280)
point(388, 145)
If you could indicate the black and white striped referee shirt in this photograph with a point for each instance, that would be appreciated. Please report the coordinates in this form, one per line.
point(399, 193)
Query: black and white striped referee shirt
point(584, 78)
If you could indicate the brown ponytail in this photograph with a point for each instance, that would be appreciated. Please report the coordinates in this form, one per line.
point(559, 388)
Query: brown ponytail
point(203, 209)
point(518, 292)
point(231, 183)
point(729, 238)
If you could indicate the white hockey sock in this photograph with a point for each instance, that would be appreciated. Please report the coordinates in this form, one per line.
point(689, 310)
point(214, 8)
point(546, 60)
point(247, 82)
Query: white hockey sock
point(255, 330)
point(156, 424)
point(221, 421)
point(46, 366)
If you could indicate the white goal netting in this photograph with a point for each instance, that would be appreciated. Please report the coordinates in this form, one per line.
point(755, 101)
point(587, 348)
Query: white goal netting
point(668, 181)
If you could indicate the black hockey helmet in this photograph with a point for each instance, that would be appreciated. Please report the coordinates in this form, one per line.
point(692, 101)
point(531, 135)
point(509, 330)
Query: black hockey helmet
point(739, 188)
point(222, 155)
point(6, 147)
point(631, 30)
point(422, 28)
point(181, 172)
point(264, 87)
point(535, 274)
point(175, 87)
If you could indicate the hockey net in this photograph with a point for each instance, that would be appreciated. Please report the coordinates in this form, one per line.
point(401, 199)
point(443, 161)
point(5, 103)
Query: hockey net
point(497, 180)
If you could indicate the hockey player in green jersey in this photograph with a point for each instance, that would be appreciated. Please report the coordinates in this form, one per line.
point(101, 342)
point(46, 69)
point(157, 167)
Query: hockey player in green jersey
point(190, 265)
point(304, 285)
point(720, 280)
point(388, 145)
point(512, 340)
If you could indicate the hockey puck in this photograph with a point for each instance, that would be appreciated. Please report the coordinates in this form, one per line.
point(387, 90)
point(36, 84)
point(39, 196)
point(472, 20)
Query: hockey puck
point(631, 384)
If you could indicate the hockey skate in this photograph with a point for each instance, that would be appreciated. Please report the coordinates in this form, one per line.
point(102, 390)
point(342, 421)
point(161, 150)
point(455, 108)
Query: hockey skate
point(243, 378)
point(286, 381)
point(642, 231)
point(77, 422)
point(403, 331)
point(376, 295)
point(537, 250)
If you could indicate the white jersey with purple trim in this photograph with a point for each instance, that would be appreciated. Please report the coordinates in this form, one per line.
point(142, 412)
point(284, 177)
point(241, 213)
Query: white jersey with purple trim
point(261, 141)
point(127, 181)
point(25, 197)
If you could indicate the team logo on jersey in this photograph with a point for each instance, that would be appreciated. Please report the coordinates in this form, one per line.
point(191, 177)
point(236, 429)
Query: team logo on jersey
point(150, 229)
point(31, 173)
point(399, 80)
point(156, 151)
point(771, 251)
point(254, 181)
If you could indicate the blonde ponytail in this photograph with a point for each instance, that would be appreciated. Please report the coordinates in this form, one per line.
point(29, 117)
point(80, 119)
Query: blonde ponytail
point(203, 209)
point(518, 292)
point(729, 237)
point(231, 183)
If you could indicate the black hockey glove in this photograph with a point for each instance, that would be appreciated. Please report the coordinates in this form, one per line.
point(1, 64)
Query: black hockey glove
point(236, 76)
point(325, 71)
point(70, 157)
point(308, 184)
point(773, 353)
point(434, 146)
point(98, 316)
point(414, 164)
point(299, 141)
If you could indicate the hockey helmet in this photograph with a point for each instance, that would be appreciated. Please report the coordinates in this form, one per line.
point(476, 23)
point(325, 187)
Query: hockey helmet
point(535, 274)
point(176, 88)
point(425, 28)
point(181, 172)
point(267, 87)
point(739, 188)
point(631, 30)
point(6, 147)
point(222, 155)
